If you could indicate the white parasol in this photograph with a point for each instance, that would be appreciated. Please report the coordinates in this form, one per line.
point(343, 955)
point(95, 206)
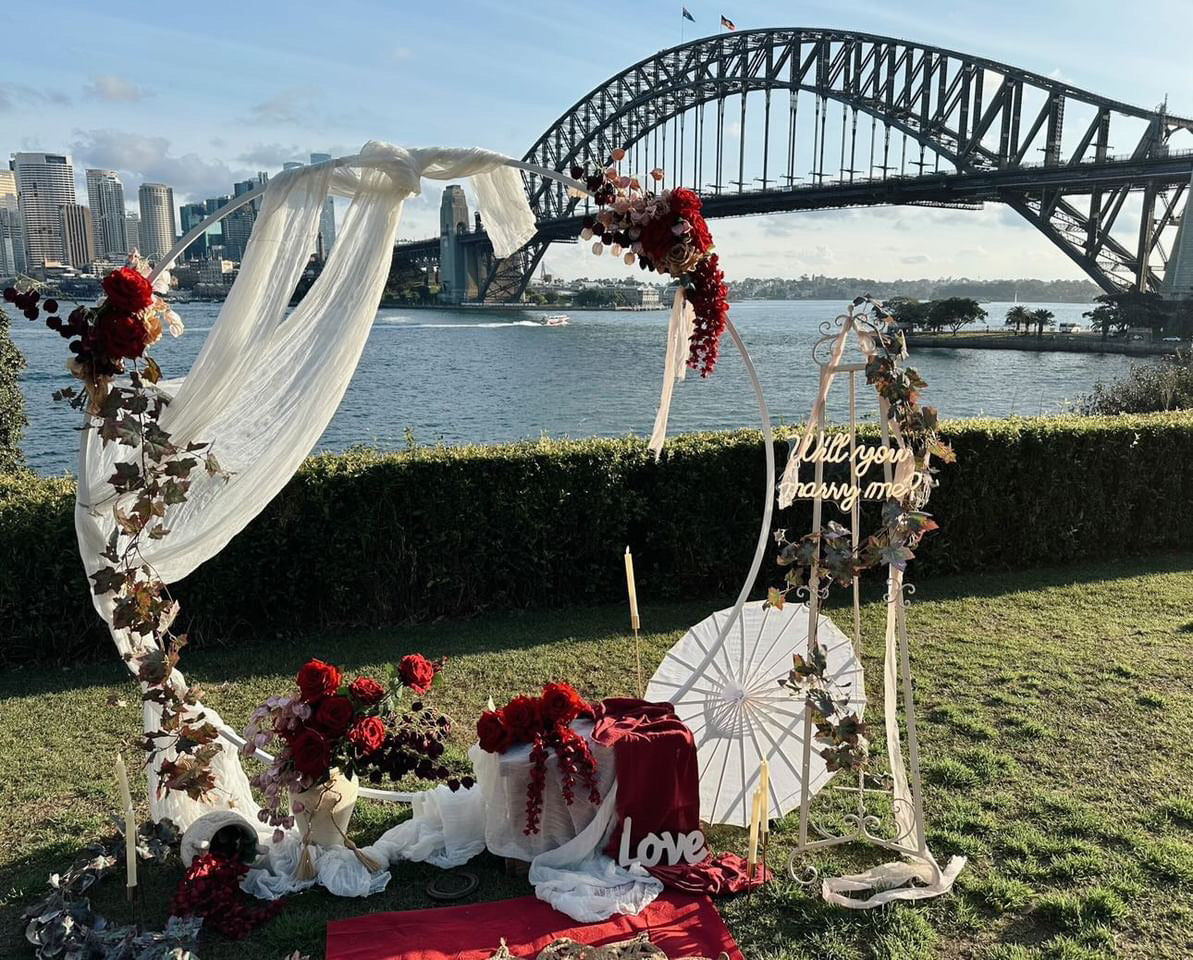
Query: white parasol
point(738, 712)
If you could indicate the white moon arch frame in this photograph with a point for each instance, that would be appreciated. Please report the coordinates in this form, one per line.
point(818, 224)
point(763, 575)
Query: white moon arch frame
point(726, 624)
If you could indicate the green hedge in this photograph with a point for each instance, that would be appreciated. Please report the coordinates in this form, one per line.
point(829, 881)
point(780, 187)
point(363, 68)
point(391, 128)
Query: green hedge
point(366, 538)
point(12, 402)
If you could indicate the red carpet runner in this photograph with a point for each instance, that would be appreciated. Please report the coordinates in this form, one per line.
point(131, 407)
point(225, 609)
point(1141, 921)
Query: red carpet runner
point(680, 924)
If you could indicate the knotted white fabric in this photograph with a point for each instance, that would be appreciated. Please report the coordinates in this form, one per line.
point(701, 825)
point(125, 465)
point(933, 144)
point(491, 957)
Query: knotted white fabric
point(265, 385)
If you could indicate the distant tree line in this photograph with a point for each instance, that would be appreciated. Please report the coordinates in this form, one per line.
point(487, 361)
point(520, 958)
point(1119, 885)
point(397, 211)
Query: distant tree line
point(949, 313)
point(1117, 312)
point(846, 288)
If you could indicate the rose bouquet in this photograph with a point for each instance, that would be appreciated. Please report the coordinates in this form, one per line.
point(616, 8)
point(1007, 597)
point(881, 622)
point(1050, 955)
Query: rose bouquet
point(331, 727)
point(665, 232)
point(121, 327)
point(544, 722)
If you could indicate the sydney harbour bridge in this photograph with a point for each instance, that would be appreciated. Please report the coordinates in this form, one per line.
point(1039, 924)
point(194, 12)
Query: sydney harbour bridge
point(777, 120)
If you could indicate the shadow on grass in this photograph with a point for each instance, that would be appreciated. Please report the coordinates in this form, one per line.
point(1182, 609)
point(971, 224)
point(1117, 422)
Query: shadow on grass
point(525, 629)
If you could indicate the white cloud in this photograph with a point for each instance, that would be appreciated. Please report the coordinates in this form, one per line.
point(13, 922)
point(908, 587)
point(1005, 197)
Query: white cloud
point(267, 155)
point(16, 96)
point(289, 107)
point(138, 158)
point(113, 89)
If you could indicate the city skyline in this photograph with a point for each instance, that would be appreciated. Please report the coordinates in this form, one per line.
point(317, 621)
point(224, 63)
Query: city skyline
point(280, 98)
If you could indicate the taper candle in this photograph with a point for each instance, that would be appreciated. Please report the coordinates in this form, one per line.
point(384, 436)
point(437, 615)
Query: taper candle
point(635, 623)
point(764, 789)
point(130, 825)
point(752, 856)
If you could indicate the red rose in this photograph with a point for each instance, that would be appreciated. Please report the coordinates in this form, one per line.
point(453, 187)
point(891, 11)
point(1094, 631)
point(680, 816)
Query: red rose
point(416, 672)
point(127, 290)
point(310, 754)
point(685, 203)
point(493, 732)
point(367, 690)
point(119, 335)
point(701, 237)
point(332, 716)
point(368, 733)
point(524, 716)
point(561, 703)
point(318, 679)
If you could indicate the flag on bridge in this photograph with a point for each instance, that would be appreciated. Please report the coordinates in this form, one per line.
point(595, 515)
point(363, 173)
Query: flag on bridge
point(727, 23)
point(687, 15)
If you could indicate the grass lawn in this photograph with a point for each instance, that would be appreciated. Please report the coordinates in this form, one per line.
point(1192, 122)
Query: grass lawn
point(1056, 735)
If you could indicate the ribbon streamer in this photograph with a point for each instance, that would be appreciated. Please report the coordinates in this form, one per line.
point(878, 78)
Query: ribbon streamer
point(675, 366)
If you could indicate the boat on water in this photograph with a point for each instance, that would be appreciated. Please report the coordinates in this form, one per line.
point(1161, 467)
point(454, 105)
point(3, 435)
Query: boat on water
point(555, 320)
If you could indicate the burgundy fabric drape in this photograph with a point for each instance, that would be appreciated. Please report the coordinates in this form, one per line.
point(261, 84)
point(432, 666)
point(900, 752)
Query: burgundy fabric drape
point(658, 787)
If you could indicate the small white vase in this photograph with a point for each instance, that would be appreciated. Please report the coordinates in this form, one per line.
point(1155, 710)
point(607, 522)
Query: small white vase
point(327, 810)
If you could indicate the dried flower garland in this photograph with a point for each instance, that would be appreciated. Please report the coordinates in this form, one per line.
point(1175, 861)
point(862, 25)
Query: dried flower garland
point(107, 341)
point(544, 722)
point(829, 552)
point(664, 232)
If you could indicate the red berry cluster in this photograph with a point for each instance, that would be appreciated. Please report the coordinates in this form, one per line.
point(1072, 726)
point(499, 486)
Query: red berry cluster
point(27, 303)
point(538, 783)
point(211, 889)
point(576, 763)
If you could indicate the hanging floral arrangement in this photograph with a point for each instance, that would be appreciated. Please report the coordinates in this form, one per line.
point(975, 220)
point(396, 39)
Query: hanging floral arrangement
point(664, 232)
point(544, 722)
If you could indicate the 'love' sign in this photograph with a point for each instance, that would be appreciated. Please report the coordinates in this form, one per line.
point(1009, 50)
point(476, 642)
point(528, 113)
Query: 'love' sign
point(676, 848)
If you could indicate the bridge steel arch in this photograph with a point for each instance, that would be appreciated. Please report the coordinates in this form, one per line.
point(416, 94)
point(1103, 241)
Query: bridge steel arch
point(977, 122)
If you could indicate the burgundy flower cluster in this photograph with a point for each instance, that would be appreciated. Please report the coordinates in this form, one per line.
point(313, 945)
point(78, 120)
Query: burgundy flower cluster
point(124, 324)
point(354, 727)
point(544, 723)
point(211, 889)
point(667, 233)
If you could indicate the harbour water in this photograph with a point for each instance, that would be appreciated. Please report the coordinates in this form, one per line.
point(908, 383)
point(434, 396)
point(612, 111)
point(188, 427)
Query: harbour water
point(482, 376)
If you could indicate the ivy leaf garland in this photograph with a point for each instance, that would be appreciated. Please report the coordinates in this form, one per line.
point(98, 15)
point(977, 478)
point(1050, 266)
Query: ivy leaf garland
point(828, 553)
point(152, 474)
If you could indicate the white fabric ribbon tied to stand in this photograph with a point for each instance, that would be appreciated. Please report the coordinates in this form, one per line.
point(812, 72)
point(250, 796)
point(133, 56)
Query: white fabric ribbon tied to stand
point(675, 365)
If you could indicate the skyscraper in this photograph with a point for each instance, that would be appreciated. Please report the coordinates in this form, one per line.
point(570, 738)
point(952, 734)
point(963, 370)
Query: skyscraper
point(327, 218)
point(132, 231)
point(78, 234)
point(105, 197)
point(12, 237)
point(191, 215)
point(45, 181)
point(238, 225)
point(159, 229)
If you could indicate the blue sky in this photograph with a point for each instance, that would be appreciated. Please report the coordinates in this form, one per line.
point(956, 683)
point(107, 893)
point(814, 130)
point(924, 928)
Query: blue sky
point(201, 94)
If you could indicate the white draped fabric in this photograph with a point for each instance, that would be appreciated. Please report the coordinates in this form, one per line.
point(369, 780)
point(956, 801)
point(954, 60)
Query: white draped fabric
point(568, 866)
point(265, 385)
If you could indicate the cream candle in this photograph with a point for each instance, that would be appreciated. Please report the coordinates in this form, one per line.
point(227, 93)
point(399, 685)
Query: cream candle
point(632, 588)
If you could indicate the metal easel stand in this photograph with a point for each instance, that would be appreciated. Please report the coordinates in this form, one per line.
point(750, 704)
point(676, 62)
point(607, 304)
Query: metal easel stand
point(906, 836)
